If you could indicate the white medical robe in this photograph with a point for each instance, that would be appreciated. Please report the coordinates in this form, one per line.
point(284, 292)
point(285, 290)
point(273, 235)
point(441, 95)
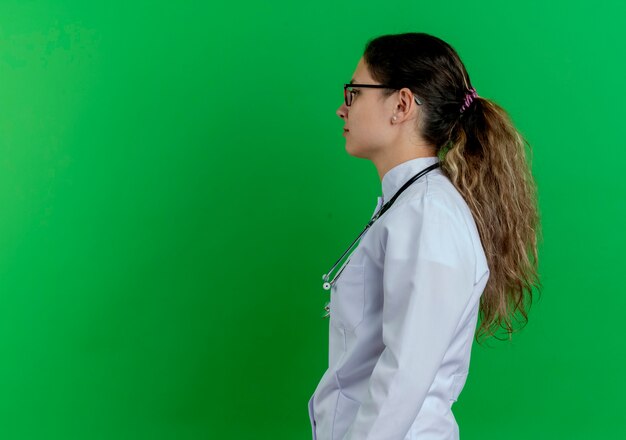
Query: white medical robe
point(403, 315)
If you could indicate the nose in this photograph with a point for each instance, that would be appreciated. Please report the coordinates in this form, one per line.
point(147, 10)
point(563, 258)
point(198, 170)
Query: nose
point(342, 111)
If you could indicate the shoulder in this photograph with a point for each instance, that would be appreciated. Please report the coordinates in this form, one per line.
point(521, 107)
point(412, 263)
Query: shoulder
point(435, 198)
point(432, 219)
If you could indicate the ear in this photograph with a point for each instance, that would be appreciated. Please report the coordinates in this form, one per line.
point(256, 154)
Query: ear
point(405, 103)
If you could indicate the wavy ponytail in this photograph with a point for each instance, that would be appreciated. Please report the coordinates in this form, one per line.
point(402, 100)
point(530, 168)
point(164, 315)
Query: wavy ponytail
point(483, 155)
point(486, 162)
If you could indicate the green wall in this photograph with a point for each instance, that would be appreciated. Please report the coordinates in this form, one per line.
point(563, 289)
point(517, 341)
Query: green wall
point(173, 184)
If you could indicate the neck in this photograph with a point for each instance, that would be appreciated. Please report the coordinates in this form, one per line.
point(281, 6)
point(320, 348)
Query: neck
point(385, 163)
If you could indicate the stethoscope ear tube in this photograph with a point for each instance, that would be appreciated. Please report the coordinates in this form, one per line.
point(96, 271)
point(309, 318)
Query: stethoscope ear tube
point(328, 284)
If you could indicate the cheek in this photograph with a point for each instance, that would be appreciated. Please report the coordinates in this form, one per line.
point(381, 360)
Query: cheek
point(364, 121)
point(368, 127)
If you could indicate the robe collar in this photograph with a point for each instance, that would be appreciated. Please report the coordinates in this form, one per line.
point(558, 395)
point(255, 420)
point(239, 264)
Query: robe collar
point(397, 176)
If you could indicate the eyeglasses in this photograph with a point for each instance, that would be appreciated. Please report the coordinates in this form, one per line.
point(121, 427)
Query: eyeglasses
point(348, 92)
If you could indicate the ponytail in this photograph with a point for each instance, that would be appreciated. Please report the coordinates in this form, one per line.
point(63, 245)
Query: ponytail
point(486, 162)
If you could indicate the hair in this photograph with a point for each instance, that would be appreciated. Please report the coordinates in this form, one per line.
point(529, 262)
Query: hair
point(483, 155)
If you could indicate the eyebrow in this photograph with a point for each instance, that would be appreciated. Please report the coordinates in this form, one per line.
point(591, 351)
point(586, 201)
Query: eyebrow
point(352, 81)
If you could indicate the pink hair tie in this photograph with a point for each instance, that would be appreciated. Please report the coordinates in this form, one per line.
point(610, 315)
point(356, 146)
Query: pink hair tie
point(469, 97)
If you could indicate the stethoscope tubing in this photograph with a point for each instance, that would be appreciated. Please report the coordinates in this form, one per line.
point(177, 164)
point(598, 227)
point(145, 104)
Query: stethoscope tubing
point(327, 285)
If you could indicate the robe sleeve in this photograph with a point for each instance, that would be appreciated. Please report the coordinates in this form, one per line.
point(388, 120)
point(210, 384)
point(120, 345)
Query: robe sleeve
point(428, 278)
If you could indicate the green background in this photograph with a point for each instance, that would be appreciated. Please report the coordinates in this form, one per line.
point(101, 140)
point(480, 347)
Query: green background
point(173, 184)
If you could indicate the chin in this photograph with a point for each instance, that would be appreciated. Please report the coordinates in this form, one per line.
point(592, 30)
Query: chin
point(350, 149)
point(355, 151)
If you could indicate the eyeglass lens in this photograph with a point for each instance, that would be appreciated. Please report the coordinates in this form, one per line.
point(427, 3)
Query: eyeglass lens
point(347, 95)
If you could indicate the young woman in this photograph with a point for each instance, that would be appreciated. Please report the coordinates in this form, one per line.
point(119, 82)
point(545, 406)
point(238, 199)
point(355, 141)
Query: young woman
point(454, 235)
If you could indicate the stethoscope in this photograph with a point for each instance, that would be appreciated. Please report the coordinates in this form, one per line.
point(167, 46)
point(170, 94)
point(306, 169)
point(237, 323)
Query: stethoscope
point(327, 285)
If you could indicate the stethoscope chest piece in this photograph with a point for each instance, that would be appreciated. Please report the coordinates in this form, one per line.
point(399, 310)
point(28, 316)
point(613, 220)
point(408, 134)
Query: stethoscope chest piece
point(326, 284)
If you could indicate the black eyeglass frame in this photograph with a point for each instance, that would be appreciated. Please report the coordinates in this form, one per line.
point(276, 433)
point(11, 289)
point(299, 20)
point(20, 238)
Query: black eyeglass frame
point(371, 86)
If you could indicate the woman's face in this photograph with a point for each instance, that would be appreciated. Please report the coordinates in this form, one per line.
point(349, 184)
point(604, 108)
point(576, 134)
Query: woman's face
point(367, 118)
